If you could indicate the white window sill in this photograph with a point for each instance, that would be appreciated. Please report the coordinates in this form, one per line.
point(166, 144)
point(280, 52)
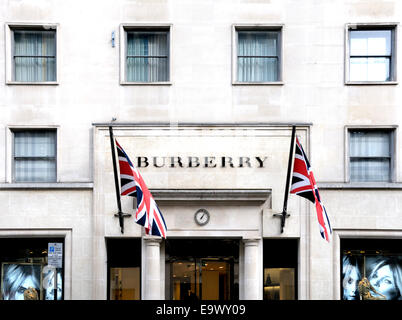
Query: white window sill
point(271, 83)
point(44, 83)
point(161, 83)
point(364, 83)
point(46, 185)
point(359, 185)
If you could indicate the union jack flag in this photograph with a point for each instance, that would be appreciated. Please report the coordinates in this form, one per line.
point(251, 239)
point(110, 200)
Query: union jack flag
point(304, 185)
point(148, 214)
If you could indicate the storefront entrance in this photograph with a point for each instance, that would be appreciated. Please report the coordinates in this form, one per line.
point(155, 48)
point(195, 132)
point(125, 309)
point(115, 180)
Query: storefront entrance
point(193, 273)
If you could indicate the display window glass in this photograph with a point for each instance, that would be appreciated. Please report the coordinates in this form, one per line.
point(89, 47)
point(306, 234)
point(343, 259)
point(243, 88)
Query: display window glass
point(202, 269)
point(124, 269)
point(371, 269)
point(25, 272)
point(280, 269)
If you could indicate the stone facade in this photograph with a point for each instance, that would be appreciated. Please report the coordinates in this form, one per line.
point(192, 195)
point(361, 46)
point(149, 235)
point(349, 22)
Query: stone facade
point(199, 113)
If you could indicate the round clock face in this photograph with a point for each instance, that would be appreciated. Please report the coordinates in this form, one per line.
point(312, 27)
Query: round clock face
point(201, 217)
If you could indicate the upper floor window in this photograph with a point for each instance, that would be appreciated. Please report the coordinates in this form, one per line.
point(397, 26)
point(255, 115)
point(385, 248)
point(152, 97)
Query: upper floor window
point(371, 56)
point(32, 54)
point(257, 54)
point(146, 55)
point(34, 155)
point(370, 155)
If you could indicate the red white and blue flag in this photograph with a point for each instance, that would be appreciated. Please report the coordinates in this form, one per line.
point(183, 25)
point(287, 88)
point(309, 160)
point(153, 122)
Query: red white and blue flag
point(304, 185)
point(148, 214)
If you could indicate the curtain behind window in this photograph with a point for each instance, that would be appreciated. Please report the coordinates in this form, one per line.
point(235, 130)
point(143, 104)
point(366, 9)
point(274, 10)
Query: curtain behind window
point(35, 156)
point(147, 57)
point(258, 56)
point(370, 156)
point(34, 55)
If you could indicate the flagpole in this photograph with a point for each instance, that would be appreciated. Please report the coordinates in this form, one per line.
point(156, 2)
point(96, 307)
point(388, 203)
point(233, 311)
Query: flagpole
point(284, 213)
point(120, 214)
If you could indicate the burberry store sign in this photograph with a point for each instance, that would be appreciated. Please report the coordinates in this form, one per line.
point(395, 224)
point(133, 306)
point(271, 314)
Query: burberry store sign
point(201, 162)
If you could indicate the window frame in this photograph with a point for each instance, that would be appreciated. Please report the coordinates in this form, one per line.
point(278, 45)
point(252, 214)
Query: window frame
point(9, 37)
point(393, 60)
point(124, 28)
point(10, 150)
point(257, 27)
point(393, 158)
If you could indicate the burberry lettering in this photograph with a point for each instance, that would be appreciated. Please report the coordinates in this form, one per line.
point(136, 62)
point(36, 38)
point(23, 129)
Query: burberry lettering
point(201, 162)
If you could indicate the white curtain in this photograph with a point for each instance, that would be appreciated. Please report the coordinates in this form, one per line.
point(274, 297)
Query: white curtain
point(34, 55)
point(35, 156)
point(370, 156)
point(257, 56)
point(147, 57)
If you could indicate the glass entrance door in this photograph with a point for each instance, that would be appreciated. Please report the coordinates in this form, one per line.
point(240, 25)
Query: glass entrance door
point(202, 279)
point(215, 279)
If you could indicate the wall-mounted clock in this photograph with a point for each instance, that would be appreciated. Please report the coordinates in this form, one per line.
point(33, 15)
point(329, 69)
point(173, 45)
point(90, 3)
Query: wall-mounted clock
point(201, 217)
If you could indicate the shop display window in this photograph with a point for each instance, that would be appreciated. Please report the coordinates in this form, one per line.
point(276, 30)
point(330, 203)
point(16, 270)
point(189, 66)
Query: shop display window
point(280, 269)
point(371, 269)
point(25, 273)
point(124, 269)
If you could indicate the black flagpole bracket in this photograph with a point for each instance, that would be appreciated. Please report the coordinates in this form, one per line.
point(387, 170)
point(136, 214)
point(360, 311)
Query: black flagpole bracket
point(283, 217)
point(121, 217)
point(284, 213)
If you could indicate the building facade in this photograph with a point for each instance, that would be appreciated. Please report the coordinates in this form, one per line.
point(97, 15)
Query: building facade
point(202, 96)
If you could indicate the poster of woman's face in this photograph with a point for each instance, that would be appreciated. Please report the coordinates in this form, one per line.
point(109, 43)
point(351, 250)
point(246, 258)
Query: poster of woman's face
point(48, 283)
point(383, 272)
point(16, 278)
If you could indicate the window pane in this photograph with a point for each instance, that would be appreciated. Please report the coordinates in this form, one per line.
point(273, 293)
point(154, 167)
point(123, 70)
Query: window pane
point(369, 69)
point(35, 144)
point(257, 69)
point(258, 43)
point(279, 283)
point(34, 55)
point(258, 56)
point(370, 42)
point(35, 170)
point(147, 57)
point(370, 144)
point(35, 156)
point(125, 283)
point(366, 170)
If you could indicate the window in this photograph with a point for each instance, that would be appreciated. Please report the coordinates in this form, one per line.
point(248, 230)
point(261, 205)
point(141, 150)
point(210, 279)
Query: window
point(24, 264)
point(146, 54)
point(32, 54)
point(280, 269)
point(34, 156)
point(378, 261)
point(258, 55)
point(124, 270)
point(370, 155)
point(371, 55)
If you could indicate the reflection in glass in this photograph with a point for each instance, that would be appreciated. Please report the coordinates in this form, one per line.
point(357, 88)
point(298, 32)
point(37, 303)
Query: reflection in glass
point(370, 55)
point(48, 283)
point(125, 283)
point(279, 283)
point(201, 279)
